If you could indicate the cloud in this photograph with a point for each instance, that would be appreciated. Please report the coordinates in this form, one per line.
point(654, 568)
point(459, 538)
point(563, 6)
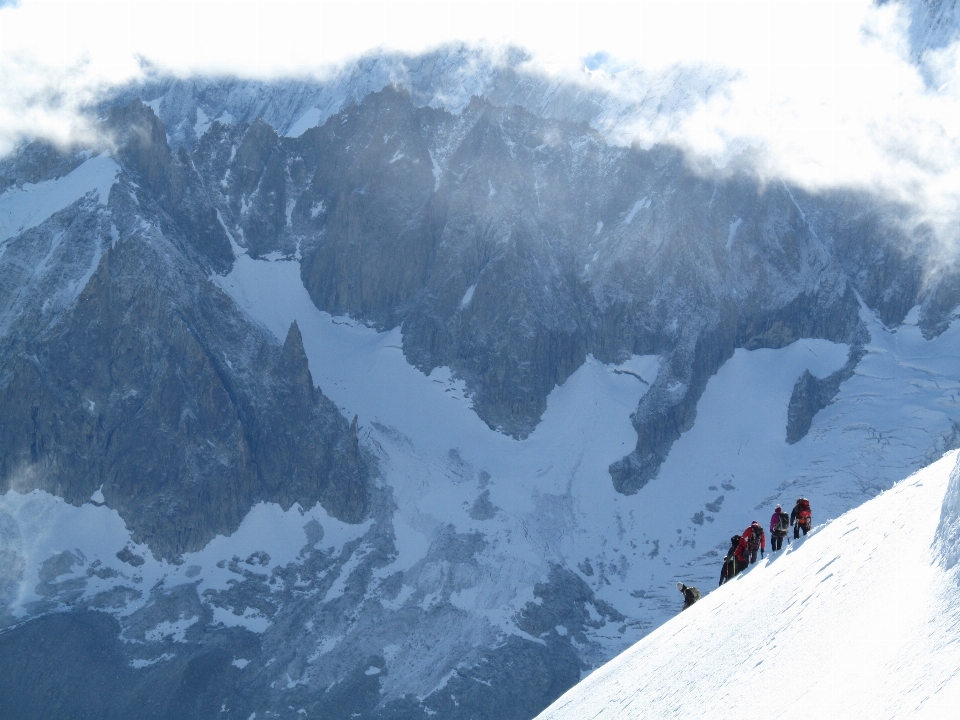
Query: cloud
point(825, 94)
point(24, 478)
point(856, 112)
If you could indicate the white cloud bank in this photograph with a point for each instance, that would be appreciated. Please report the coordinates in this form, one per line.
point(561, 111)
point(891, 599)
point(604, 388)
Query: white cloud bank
point(825, 90)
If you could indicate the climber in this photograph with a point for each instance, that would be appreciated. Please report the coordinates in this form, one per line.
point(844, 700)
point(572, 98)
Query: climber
point(752, 540)
point(731, 562)
point(690, 595)
point(801, 518)
point(779, 526)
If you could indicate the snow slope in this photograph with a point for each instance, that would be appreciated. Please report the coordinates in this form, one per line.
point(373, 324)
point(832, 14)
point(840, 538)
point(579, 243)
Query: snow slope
point(27, 206)
point(861, 619)
point(43, 264)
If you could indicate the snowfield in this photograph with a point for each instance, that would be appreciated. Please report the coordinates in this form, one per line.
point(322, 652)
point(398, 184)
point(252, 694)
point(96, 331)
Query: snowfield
point(27, 206)
point(860, 619)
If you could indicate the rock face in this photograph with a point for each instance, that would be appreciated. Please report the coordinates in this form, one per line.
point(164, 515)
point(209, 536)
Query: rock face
point(510, 247)
point(152, 386)
point(100, 681)
point(812, 394)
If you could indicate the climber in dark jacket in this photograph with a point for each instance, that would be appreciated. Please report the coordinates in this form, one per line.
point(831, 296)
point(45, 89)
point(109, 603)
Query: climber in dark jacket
point(690, 595)
point(732, 563)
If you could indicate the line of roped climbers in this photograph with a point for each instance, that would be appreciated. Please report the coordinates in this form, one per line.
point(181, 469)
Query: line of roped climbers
point(744, 548)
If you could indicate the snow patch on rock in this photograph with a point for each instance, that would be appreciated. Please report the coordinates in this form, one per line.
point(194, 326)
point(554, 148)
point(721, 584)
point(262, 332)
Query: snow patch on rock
point(310, 119)
point(29, 205)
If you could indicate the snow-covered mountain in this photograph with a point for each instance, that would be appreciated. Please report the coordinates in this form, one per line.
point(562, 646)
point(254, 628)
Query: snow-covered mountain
point(618, 104)
point(374, 398)
point(857, 619)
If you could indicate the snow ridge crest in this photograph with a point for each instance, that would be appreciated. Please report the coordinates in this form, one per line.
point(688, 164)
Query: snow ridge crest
point(947, 539)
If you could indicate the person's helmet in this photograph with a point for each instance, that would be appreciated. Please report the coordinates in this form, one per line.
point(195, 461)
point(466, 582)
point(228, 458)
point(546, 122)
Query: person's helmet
point(755, 523)
point(681, 587)
point(799, 499)
point(735, 539)
point(778, 508)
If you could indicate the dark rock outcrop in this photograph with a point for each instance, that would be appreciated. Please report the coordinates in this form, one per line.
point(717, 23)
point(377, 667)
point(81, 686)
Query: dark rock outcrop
point(75, 665)
point(812, 394)
point(172, 182)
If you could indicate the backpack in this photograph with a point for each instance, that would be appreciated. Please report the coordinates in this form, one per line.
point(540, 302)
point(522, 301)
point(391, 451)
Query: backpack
point(742, 553)
point(692, 594)
point(783, 523)
point(804, 516)
point(756, 534)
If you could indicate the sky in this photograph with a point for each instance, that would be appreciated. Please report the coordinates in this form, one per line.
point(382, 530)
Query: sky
point(826, 90)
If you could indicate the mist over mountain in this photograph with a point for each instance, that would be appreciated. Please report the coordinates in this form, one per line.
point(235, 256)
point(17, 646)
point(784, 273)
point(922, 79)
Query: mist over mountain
point(413, 391)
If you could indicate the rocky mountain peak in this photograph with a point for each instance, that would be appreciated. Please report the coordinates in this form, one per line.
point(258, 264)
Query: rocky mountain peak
point(141, 145)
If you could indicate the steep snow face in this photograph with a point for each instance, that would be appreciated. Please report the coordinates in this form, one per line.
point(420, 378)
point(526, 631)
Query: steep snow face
point(48, 253)
point(948, 531)
point(857, 620)
point(29, 205)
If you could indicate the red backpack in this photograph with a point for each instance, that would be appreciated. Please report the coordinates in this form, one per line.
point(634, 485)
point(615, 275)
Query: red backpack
point(804, 516)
